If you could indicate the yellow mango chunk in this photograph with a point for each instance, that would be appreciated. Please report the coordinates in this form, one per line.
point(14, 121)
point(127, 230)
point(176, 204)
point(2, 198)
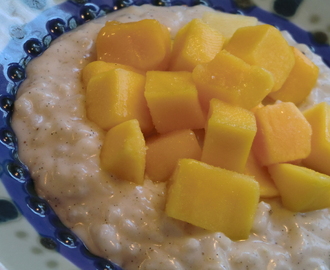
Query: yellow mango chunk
point(230, 79)
point(283, 134)
point(229, 135)
point(145, 44)
point(173, 101)
point(116, 96)
point(164, 151)
point(195, 43)
point(123, 153)
point(319, 118)
point(260, 105)
point(301, 189)
point(260, 173)
point(213, 198)
point(300, 82)
point(226, 23)
point(264, 46)
point(96, 67)
point(93, 68)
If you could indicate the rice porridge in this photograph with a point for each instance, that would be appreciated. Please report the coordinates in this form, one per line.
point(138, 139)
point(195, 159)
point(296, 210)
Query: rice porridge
point(124, 222)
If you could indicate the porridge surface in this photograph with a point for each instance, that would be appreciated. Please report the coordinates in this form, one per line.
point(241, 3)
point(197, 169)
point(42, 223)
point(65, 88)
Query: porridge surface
point(124, 222)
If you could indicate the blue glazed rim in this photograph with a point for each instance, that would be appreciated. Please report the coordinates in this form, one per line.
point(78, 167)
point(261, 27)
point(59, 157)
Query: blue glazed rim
point(13, 60)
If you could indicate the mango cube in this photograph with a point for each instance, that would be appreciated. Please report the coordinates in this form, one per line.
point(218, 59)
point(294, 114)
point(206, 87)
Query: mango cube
point(213, 198)
point(319, 118)
point(229, 136)
point(301, 189)
point(230, 79)
point(264, 46)
point(226, 23)
point(283, 134)
point(123, 153)
point(173, 101)
point(195, 43)
point(300, 82)
point(116, 96)
point(145, 44)
point(164, 151)
point(95, 67)
point(92, 69)
point(260, 105)
point(260, 173)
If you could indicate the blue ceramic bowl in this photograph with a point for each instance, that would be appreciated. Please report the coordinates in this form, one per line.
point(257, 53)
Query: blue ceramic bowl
point(13, 60)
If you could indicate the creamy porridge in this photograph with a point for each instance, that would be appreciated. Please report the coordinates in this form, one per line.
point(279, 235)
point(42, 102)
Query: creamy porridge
point(124, 222)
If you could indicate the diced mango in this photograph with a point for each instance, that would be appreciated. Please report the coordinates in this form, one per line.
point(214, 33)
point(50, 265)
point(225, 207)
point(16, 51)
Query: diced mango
point(213, 198)
point(264, 46)
point(283, 134)
point(301, 189)
point(173, 101)
point(145, 44)
point(229, 135)
point(116, 96)
point(226, 23)
point(230, 79)
point(96, 67)
point(260, 105)
point(262, 176)
point(123, 153)
point(300, 82)
point(195, 43)
point(165, 150)
point(319, 118)
point(92, 69)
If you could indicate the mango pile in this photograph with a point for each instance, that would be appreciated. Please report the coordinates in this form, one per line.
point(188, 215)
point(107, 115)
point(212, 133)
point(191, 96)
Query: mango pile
point(213, 113)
